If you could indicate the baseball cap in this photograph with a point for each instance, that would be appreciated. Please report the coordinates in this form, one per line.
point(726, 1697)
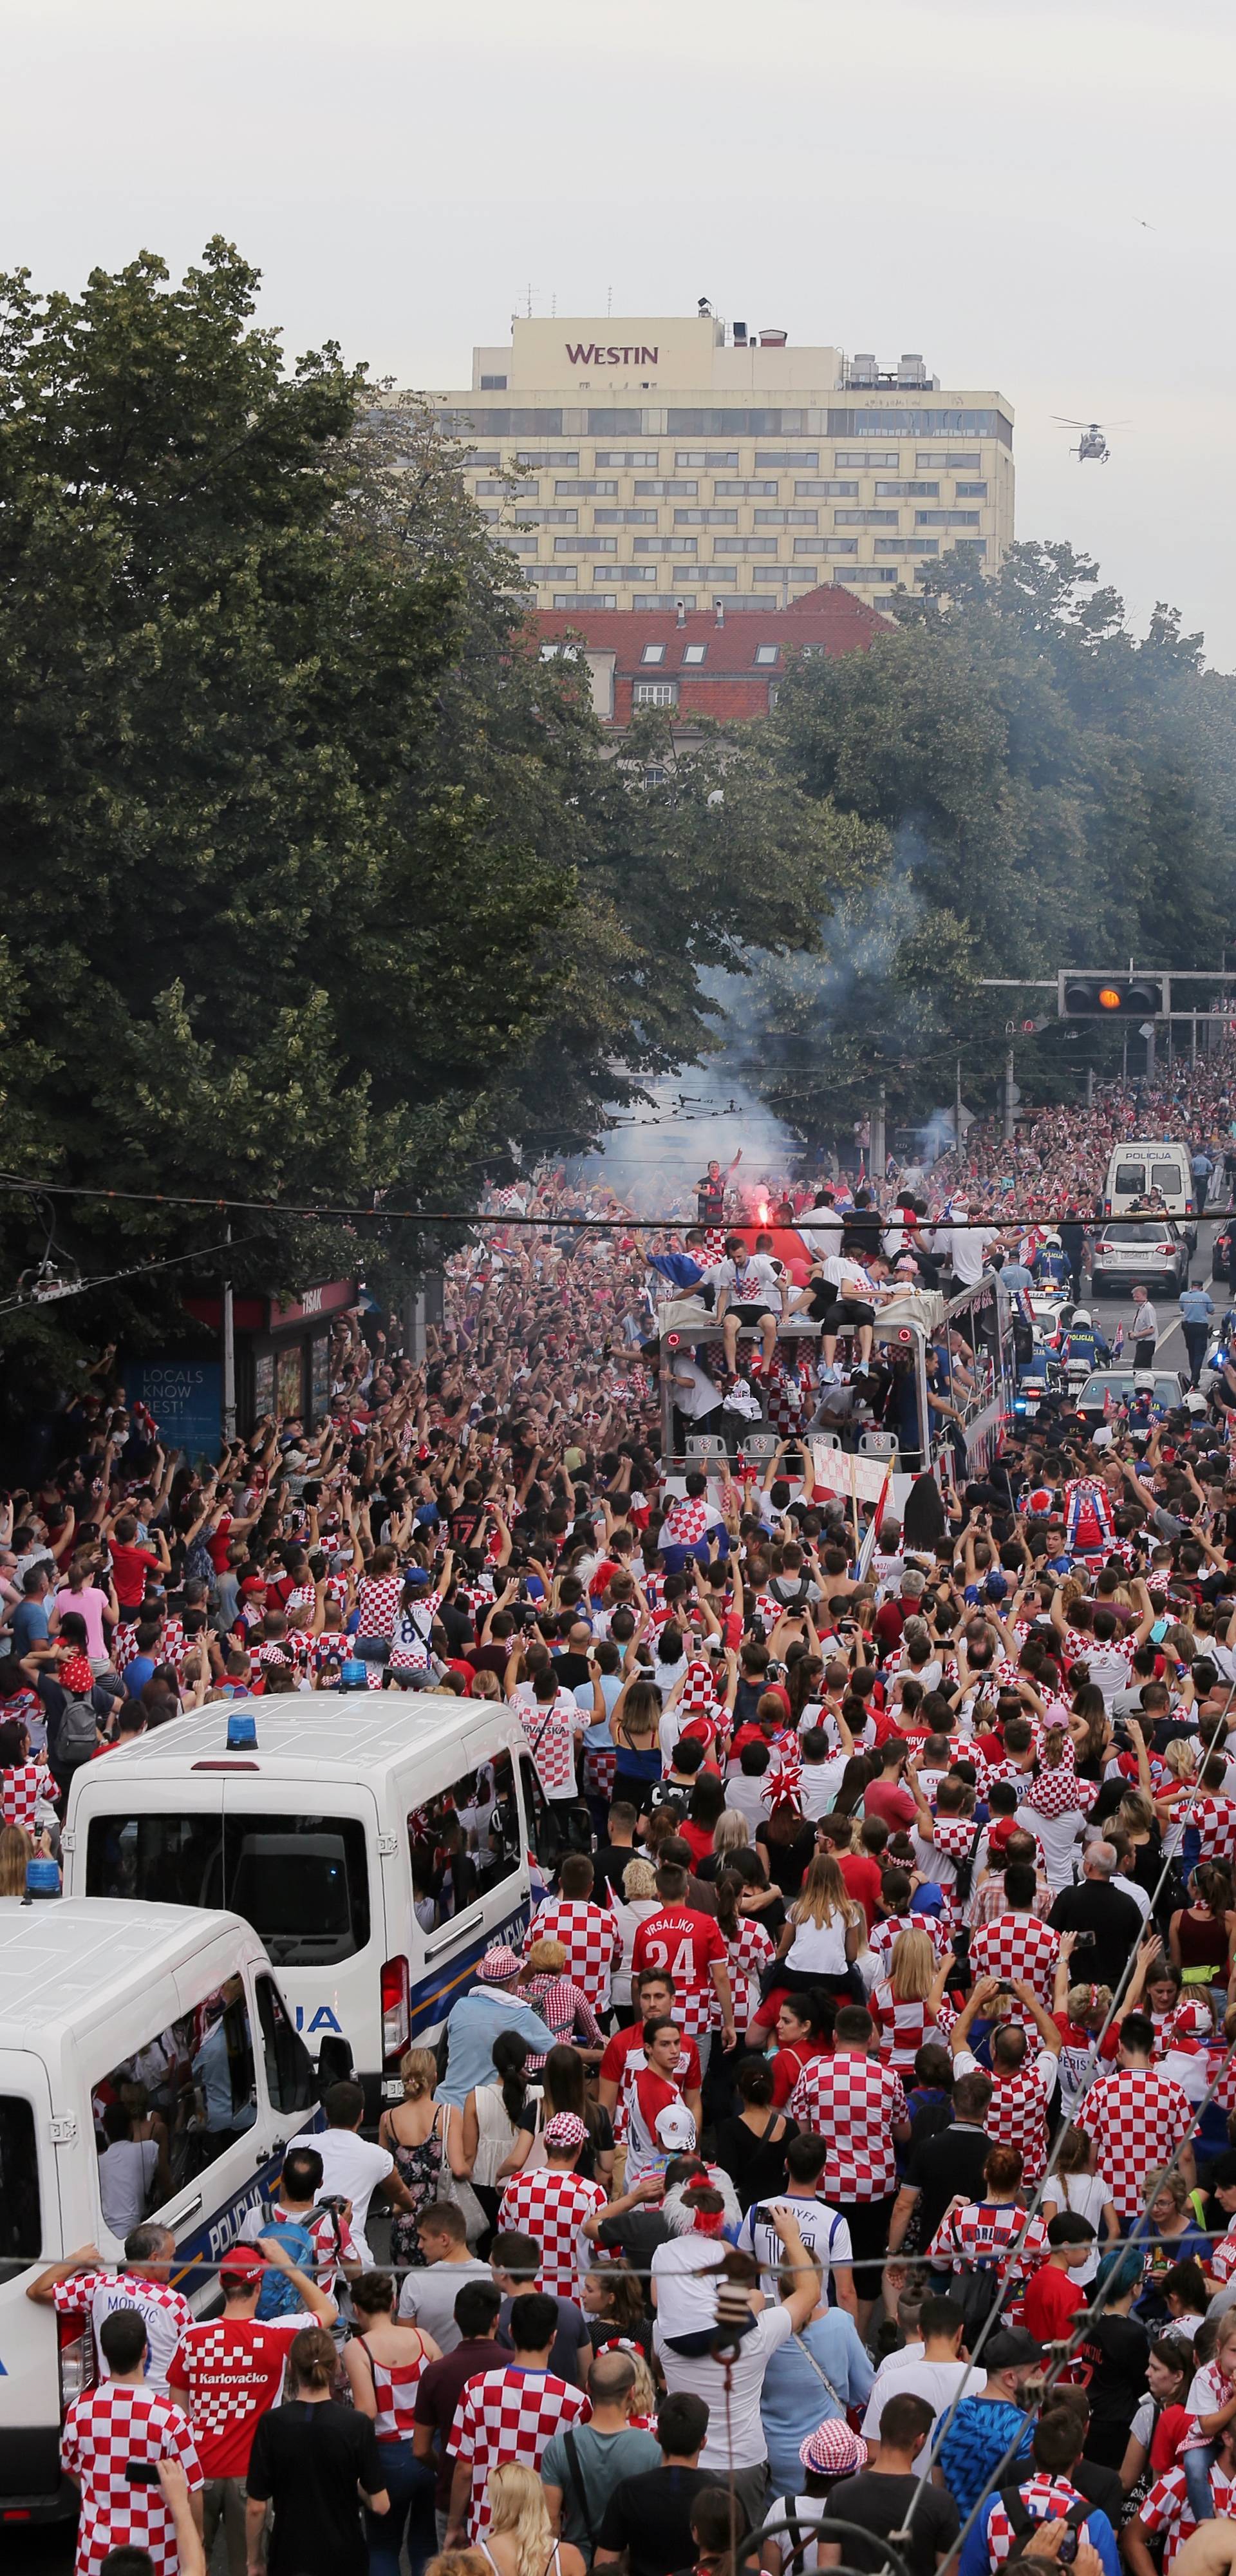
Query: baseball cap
point(1011, 2349)
point(1191, 2021)
point(242, 2263)
point(1143, 1380)
point(833, 2450)
point(566, 2130)
point(675, 2126)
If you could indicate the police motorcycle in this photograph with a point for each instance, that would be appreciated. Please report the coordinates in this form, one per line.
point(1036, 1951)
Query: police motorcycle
point(1082, 1350)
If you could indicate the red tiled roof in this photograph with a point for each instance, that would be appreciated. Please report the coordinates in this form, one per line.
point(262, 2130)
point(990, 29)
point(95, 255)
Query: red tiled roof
point(729, 684)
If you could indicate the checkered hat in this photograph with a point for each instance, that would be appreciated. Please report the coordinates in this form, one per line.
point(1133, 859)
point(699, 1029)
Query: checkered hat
point(566, 2130)
point(833, 2450)
point(498, 1966)
point(1191, 2021)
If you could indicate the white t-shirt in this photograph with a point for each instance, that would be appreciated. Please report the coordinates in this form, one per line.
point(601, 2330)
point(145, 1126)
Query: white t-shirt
point(354, 2167)
point(1086, 2195)
point(937, 2381)
point(818, 1786)
point(704, 2377)
point(694, 1393)
point(756, 1284)
point(823, 2231)
point(819, 1948)
point(126, 2172)
point(682, 2271)
point(428, 2296)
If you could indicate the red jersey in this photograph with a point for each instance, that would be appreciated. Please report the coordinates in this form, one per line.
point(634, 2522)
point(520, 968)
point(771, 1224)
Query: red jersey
point(231, 2371)
point(686, 1945)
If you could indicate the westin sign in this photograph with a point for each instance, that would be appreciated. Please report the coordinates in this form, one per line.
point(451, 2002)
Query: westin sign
point(584, 353)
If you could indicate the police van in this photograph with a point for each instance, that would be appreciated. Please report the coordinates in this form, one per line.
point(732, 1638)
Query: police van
point(1136, 1171)
point(377, 1842)
point(170, 2013)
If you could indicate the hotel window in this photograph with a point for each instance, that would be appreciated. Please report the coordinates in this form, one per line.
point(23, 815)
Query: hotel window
point(586, 490)
point(841, 545)
point(971, 545)
point(655, 693)
point(799, 458)
point(745, 545)
point(745, 491)
point(935, 459)
point(711, 464)
point(694, 653)
point(865, 457)
point(496, 491)
point(584, 599)
point(703, 518)
point(946, 518)
point(867, 574)
point(554, 518)
point(870, 518)
point(907, 545)
point(624, 518)
point(560, 463)
point(555, 572)
point(787, 518)
point(901, 491)
point(585, 545)
point(493, 384)
point(667, 491)
point(625, 456)
point(625, 572)
point(665, 545)
point(970, 491)
point(831, 490)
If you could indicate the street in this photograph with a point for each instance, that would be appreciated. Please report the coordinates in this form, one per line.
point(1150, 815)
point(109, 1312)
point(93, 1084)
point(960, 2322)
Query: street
point(1170, 1348)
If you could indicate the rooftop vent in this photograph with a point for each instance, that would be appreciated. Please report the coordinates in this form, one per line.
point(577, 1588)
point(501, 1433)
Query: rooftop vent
point(863, 369)
point(773, 339)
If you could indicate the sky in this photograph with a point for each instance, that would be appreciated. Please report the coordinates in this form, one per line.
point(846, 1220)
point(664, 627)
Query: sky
point(1037, 198)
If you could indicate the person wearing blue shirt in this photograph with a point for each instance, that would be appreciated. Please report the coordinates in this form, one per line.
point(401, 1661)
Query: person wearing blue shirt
point(1047, 2495)
point(986, 2425)
point(1197, 1314)
point(1202, 1171)
point(684, 1270)
point(474, 2022)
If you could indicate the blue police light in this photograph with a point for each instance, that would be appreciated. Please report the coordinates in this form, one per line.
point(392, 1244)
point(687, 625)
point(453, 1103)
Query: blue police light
point(242, 1732)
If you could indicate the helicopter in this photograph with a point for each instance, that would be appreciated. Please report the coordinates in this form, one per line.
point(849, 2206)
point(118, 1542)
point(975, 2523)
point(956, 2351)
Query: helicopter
point(1092, 446)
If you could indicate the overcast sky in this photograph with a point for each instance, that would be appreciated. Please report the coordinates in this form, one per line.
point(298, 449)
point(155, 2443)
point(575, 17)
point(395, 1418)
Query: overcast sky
point(971, 180)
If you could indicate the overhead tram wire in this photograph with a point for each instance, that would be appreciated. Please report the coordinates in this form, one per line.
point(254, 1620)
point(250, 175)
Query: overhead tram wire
point(322, 1212)
point(109, 1279)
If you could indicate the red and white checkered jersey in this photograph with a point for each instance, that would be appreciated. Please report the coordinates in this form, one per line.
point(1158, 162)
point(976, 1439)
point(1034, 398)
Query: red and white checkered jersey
point(852, 2102)
point(624, 2059)
point(552, 1732)
point(1018, 1946)
point(685, 1944)
point(165, 2312)
point(1016, 2114)
point(411, 1633)
point(103, 2432)
point(1047, 2499)
point(230, 2370)
point(904, 2028)
point(21, 1790)
point(1222, 2262)
point(124, 1643)
point(983, 2232)
point(395, 2384)
point(885, 1934)
point(377, 1599)
point(1168, 2512)
point(1214, 1819)
point(552, 2207)
point(591, 1937)
point(1136, 2119)
point(1060, 1792)
point(509, 2417)
point(273, 1650)
point(300, 1604)
point(331, 1647)
point(746, 1957)
point(564, 2008)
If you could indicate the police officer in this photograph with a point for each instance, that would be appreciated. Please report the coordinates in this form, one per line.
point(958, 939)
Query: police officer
point(1081, 1342)
point(1051, 1267)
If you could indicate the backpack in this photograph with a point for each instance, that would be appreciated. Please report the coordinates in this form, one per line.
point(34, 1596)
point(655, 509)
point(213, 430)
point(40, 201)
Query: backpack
point(77, 1735)
point(963, 1870)
point(1023, 2521)
point(978, 2289)
point(279, 2297)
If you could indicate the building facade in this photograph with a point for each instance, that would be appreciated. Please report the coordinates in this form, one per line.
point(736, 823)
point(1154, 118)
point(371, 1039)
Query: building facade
point(689, 664)
point(639, 463)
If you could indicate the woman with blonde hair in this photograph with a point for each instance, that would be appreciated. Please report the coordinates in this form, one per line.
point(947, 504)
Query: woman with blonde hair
point(520, 2539)
point(823, 1936)
point(417, 2133)
point(907, 2005)
point(16, 1854)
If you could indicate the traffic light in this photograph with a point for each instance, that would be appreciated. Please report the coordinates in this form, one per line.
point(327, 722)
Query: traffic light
point(1110, 997)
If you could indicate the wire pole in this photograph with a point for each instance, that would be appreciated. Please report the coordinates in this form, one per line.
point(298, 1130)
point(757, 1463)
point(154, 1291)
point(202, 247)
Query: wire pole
point(229, 1350)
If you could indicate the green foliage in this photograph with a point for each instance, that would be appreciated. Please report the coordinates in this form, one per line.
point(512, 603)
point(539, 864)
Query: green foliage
point(1054, 792)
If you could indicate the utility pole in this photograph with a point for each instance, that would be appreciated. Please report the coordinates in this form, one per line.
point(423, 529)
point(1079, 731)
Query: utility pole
point(957, 1108)
point(1009, 1095)
point(229, 1353)
point(878, 1150)
point(1090, 1083)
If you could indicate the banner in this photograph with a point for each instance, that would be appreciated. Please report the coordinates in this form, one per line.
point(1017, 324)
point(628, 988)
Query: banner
point(839, 1471)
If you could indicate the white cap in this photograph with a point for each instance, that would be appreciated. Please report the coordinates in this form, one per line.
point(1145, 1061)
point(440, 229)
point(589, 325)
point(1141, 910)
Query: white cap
point(675, 2126)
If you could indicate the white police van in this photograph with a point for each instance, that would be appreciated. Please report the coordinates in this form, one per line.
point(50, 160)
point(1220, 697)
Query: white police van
point(340, 1835)
point(95, 1998)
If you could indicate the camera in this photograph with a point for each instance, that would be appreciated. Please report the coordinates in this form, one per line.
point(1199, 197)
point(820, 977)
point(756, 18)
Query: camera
point(1083, 1940)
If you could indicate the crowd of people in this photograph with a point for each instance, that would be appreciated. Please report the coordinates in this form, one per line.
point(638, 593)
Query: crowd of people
point(849, 2139)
